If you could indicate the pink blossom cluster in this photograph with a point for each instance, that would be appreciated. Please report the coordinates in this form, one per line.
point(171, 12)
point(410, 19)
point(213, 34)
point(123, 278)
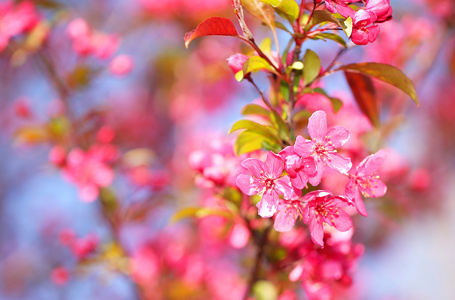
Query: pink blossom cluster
point(320, 270)
point(306, 162)
point(87, 41)
point(217, 166)
point(90, 170)
point(16, 19)
point(365, 20)
point(81, 247)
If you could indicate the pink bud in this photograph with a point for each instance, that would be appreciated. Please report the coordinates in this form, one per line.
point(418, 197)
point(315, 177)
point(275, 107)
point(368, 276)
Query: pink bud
point(236, 62)
point(67, 237)
point(121, 65)
point(60, 275)
point(57, 155)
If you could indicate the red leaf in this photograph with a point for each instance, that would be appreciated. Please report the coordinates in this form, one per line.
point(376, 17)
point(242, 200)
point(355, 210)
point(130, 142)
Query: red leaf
point(364, 93)
point(211, 26)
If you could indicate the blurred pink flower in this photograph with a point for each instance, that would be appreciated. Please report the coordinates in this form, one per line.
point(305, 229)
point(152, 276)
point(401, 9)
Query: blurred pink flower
point(366, 181)
point(121, 65)
point(60, 275)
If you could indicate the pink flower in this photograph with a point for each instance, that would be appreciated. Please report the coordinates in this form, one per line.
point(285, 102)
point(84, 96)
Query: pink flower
point(121, 65)
point(236, 62)
point(381, 9)
point(60, 275)
point(288, 212)
point(267, 181)
point(323, 145)
point(90, 170)
point(299, 169)
point(364, 30)
point(324, 208)
point(366, 181)
point(341, 7)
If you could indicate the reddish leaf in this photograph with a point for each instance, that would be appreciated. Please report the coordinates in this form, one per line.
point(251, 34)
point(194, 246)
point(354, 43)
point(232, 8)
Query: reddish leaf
point(364, 93)
point(212, 26)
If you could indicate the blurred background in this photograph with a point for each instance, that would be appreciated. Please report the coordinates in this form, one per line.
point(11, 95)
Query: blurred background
point(138, 103)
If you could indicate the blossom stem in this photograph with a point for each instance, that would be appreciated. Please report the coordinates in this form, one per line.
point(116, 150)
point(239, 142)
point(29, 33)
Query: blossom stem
point(254, 275)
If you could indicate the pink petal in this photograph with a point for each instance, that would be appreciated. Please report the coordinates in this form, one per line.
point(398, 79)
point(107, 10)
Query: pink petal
point(284, 187)
point(303, 147)
point(338, 163)
point(245, 184)
point(338, 136)
point(371, 163)
point(317, 232)
point(373, 32)
point(350, 188)
point(239, 236)
point(88, 192)
point(255, 166)
point(316, 178)
point(378, 189)
point(274, 164)
point(309, 165)
point(342, 221)
point(317, 125)
point(300, 180)
point(267, 207)
point(285, 219)
point(359, 204)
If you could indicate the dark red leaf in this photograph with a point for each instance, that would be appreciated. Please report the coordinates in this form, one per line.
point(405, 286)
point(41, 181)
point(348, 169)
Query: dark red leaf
point(211, 26)
point(364, 93)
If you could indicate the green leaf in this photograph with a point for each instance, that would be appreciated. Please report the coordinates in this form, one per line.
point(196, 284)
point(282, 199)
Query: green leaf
point(248, 141)
point(312, 66)
point(198, 212)
point(282, 27)
point(283, 130)
point(331, 36)
point(336, 103)
point(347, 26)
point(297, 65)
point(253, 64)
point(266, 46)
point(260, 10)
point(254, 109)
point(253, 127)
point(302, 115)
point(289, 7)
point(265, 290)
point(321, 16)
point(386, 73)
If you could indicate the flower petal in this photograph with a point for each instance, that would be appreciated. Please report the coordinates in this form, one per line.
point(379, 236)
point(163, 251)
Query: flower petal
point(317, 125)
point(359, 204)
point(376, 190)
point(303, 147)
point(284, 187)
point(285, 219)
point(268, 205)
point(255, 166)
point(371, 163)
point(316, 231)
point(342, 221)
point(338, 162)
point(338, 136)
point(246, 184)
point(274, 164)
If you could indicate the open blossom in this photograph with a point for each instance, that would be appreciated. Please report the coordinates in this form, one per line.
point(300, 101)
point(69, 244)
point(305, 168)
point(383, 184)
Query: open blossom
point(323, 145)
point(364, 29)
point(300, 169)
point(366, 181)
point(267, 181)
point(324, 208)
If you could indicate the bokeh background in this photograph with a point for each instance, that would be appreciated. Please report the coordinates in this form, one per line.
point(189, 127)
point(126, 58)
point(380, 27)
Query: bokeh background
point(174, 101)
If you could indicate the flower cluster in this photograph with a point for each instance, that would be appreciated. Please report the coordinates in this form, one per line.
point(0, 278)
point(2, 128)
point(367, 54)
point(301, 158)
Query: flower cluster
point(365, 20)
point(16, 19)
point(306, 162)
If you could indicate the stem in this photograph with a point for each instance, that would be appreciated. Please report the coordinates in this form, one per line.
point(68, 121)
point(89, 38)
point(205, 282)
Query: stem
point(291, 102)
point(254, 275)
point(252, 43)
